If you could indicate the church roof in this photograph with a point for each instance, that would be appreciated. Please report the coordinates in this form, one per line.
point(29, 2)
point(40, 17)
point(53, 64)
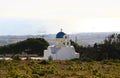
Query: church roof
point(60, 34)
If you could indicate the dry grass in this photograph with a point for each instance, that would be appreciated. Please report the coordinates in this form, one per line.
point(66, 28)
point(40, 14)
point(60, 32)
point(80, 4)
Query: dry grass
point(58, 69)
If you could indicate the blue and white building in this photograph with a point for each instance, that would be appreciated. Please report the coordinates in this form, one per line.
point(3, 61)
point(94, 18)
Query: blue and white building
point(62, 49)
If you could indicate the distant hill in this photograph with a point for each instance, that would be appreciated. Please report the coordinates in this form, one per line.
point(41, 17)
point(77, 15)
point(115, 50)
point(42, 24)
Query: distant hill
point(82, 38)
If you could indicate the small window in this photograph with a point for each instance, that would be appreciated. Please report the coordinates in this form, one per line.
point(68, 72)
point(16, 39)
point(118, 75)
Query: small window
point(65, 37)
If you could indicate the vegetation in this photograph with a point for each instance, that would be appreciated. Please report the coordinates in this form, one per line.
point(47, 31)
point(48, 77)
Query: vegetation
point(98, 61)
point(59, 69)
point(109, 49)
point(29, 46)
point(16, 57)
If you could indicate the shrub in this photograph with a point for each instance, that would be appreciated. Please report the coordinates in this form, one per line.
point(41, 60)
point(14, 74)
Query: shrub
point(50, 58)
point(16, 57)
point(65, 75)
point(41, 73)
point(13, 74)
point(53, 69)
point(44, 62)
point(25, 76)
point(3, 62)
point(108, 62)
point(35, 76)
point(87, 59)
point(70, 68)
point(116, 61)
point(75, 59)
point(95, 72)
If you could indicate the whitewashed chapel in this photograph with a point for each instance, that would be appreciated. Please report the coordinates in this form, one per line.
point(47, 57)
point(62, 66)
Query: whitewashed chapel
point(62, 49)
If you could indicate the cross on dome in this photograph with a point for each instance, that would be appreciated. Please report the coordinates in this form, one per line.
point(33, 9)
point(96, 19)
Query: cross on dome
point(61, 29)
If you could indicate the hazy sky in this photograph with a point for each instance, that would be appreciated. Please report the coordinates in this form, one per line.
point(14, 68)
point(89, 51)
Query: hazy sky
point(22, 17)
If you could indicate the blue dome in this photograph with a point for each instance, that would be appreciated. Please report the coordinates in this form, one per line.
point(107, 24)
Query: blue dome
point(60, 35)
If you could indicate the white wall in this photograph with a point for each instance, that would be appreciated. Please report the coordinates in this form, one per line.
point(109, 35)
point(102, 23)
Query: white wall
point(65, 53)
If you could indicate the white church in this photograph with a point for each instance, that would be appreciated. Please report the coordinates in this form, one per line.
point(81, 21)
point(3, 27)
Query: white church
point(62, 49)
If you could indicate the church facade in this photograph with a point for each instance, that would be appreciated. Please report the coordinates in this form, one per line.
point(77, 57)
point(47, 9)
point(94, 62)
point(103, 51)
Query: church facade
point(62, 49)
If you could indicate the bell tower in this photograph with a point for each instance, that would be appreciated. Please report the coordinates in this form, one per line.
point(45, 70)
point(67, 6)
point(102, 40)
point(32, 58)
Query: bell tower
point(62, 39)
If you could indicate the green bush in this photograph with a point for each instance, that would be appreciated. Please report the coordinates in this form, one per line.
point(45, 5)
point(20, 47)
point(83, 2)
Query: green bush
point(42, 73)
point(108, 62)
point(50, 58)
point(116, 61)
point(53, 69)
point(13, 74)
point(44, 62)
point(86, 59)
point(75, 59)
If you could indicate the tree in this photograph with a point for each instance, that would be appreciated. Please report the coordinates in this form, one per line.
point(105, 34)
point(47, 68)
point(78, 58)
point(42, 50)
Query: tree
point(29, 46)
